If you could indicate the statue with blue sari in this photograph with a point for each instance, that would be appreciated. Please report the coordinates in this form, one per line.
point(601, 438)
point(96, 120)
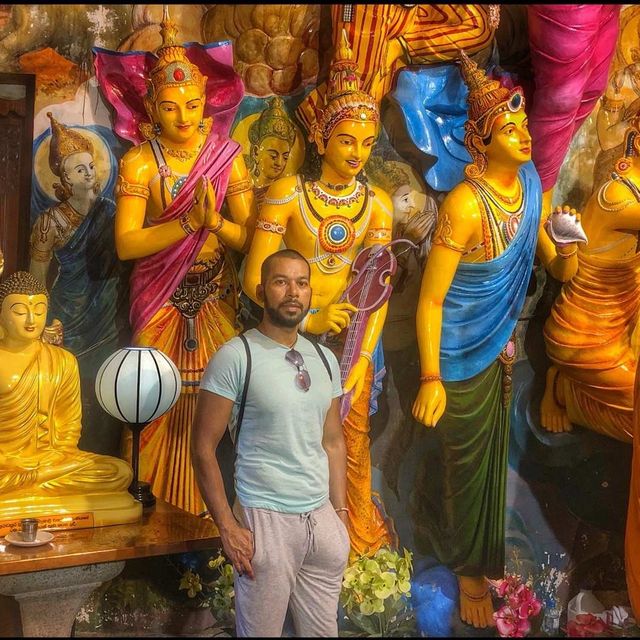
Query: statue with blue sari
point(473, 289)
point(89, 294)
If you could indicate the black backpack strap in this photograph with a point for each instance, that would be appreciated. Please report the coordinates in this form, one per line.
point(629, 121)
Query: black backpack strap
point(325, 362)
point(245, 389)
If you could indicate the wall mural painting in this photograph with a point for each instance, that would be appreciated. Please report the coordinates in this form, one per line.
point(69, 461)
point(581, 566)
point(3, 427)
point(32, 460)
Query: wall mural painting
point(483, 118)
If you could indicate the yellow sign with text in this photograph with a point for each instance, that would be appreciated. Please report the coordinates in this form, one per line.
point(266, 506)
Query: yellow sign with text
point(51, 523)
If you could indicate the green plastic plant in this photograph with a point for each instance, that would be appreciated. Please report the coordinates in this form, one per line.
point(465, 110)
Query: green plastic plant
point(217, 594)
point(375, 594)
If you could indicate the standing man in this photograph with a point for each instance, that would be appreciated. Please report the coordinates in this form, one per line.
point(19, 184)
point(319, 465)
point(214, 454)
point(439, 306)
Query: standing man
point(287, 532)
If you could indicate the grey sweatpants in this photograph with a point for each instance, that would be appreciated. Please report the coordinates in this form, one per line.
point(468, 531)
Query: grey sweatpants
point(298, 563)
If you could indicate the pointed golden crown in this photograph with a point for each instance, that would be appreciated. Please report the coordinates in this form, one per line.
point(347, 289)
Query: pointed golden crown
point(487, 98)
point(173, 68)
point(64, 142)
point(273, 121)
point(344, 100)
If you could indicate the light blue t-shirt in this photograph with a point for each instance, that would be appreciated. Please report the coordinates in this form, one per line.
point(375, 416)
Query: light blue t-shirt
point(281, 464)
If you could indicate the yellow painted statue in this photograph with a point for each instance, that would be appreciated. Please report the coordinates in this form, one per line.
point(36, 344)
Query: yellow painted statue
point(590, 334)
point(329, 220)
point(184, 287)
point(271, 138)
point(42, 471)
point(473, 288)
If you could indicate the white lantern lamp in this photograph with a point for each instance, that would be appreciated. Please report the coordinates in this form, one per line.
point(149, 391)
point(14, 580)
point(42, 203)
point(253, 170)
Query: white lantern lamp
point(138, 385)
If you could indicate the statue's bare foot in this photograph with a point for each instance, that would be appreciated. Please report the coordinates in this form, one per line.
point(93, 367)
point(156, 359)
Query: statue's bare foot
point(476, 607)
point(553, 416)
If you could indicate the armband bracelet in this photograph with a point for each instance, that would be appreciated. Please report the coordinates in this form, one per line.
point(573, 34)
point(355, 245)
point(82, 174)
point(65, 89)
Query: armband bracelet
point(367, 355)
point(239, 187)
point(430, 378)
point(339, 509)
point(185, 223)
point(124, 188)
point(449, 243)
point(217, 226)
point(41, 256)
point(271, 227)
point(564, 256)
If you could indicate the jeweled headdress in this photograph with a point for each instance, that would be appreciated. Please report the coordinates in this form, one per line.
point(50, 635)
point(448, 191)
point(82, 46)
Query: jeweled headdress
point(173, 68)
point(64, 142)
point(344, 100)
point(487, 99)
point(273, 121)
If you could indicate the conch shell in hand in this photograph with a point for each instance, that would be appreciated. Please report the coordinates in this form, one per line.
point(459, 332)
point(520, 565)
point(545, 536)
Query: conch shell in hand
point(563, 226)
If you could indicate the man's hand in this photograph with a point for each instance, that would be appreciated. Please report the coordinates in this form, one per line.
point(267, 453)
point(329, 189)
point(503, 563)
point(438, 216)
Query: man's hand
point(334, 318)
point(355, 379)
point(430, 403)
point(237, 543)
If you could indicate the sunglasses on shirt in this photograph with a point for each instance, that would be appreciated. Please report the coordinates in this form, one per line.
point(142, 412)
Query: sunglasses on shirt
point(303, 379)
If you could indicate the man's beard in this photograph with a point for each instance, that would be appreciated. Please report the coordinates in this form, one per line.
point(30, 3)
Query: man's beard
point(279, 319)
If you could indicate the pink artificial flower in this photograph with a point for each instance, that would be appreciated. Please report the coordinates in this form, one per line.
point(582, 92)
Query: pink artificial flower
point(526, 604)
point(586, 625)
point(164, 171)
point(510, 625)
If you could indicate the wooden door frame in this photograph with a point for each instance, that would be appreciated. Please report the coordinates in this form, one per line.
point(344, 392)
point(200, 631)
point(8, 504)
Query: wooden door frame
point(28, 81)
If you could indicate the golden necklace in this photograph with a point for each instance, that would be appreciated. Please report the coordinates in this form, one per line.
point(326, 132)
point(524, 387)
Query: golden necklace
point(181, 154)
point(496, 194)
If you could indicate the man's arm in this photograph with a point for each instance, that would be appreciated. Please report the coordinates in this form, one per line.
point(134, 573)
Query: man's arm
point(333, 443)
point(212, 415)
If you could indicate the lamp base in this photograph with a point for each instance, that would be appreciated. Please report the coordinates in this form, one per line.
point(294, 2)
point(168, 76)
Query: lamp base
point(141, 491)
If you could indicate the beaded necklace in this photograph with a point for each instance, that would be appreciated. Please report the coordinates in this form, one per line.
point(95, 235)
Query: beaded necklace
point(499, 225)
point(335, 234)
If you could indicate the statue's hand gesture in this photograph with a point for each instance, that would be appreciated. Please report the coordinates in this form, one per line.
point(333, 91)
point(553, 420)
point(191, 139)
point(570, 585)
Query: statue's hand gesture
point(198, 208)
point(356, 377)
point(212, 218)
point(430, 403)
point(333, 318)
point(564, 228)
point(420, 226)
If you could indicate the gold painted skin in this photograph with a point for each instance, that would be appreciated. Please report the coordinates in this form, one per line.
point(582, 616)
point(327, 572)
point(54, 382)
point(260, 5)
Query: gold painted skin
point(599, 394)
point(508, 149)
point(344, 155)
point(42, 472)
point(178, 111)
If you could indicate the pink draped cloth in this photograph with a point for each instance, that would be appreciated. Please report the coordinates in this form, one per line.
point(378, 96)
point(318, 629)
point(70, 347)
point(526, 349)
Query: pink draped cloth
point(154, 278)
point(571, 50)
point(122, 77)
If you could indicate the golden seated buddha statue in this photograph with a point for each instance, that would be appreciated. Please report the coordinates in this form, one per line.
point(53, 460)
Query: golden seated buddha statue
point(42, 471)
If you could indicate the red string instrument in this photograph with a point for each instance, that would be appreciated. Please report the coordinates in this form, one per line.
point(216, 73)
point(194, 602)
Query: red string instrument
point(367, 291)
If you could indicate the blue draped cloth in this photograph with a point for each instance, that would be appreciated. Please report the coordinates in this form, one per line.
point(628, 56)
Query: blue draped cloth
point(485, 299)
point(433, 101)
point(90, 294)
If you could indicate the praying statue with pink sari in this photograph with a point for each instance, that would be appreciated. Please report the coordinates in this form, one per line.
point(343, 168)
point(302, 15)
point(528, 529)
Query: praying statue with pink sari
point(177, 106)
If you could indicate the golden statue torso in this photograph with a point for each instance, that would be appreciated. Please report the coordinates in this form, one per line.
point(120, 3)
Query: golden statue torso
point(141, 161)
point(328, 232)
